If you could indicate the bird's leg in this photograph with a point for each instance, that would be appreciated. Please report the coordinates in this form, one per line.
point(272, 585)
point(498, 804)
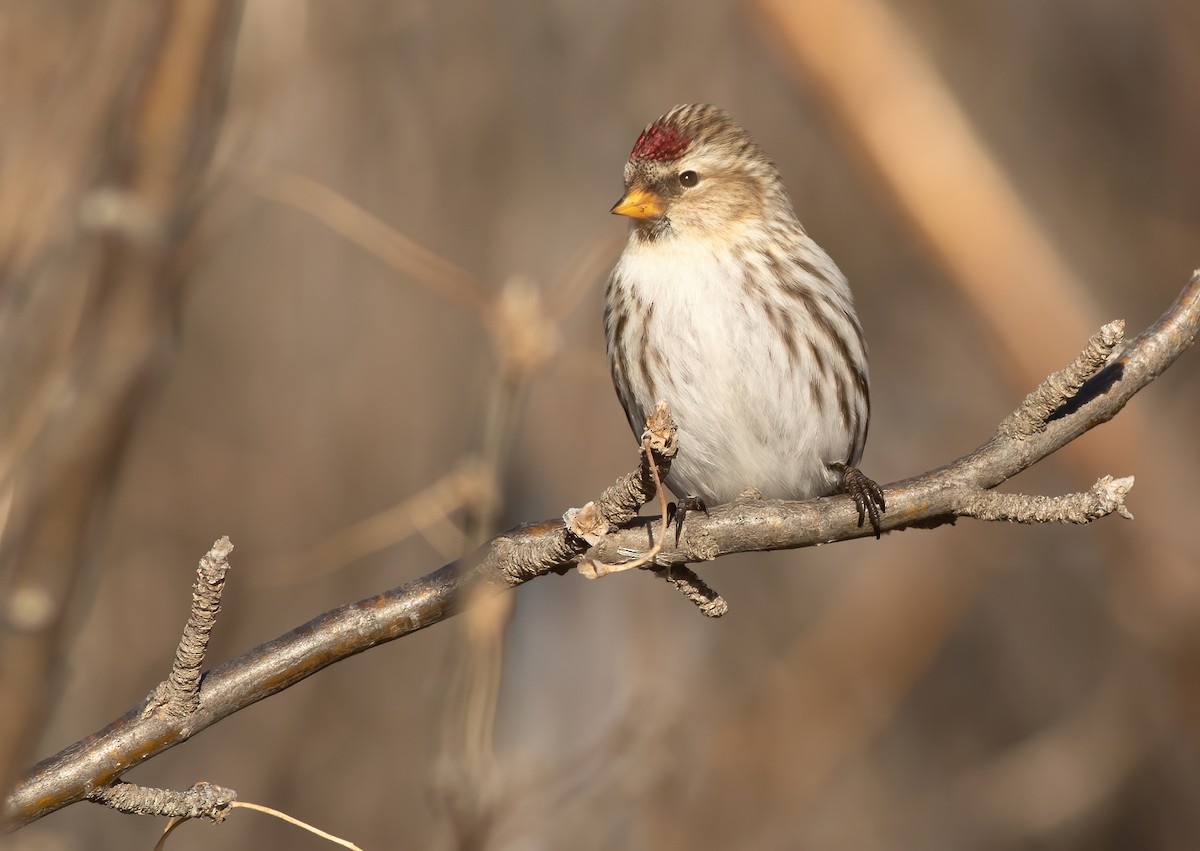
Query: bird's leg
point(868, 496)
point(676, 512)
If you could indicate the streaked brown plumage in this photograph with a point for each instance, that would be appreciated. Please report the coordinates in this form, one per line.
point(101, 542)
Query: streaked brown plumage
point(725, 308)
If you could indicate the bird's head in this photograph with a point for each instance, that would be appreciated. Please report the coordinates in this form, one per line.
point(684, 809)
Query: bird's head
point(695, 172)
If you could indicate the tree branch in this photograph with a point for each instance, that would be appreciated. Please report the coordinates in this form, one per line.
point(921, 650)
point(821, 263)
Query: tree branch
point(1087, 393)
point(179, 695)
point(90, 283)
point(204, 800)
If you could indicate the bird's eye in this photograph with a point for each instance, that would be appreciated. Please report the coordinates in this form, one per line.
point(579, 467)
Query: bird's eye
point(688, 178)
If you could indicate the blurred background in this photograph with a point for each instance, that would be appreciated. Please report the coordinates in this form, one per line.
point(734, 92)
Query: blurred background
point(995, 179)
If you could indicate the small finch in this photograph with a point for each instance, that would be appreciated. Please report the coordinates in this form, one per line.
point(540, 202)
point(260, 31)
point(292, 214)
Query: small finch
point(725, 308)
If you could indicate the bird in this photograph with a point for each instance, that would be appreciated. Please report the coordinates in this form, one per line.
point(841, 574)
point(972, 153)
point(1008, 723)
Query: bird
point(725, 308)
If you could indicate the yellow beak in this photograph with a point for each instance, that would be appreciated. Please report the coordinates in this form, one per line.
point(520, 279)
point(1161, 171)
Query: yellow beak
point(638, 203)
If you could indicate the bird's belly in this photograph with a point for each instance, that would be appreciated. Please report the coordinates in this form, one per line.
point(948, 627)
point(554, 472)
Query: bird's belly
point(746, 412)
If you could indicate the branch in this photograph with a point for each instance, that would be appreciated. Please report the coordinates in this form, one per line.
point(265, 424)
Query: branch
point(204, 800)
point(1087, 393)
point(90, 268)
point(179, 696)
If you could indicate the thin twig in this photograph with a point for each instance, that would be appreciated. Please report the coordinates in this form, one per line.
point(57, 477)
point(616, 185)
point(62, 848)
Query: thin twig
point(600, 568)
point(1106, 497)
point(684, 579)
point(1062, 386)
point(90, 306)
point(414, 515)
point(345, 843)
point(343, 216)
point(179, 695)
point(203, 800)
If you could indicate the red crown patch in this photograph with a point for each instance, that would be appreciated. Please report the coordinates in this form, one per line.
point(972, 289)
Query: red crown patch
point(660, 143)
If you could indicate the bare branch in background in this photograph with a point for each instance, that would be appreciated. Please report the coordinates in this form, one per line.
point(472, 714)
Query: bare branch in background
point(339, 214)
point(1089, 392)
point(919, 137)
point(91, 292)
point(901, 114)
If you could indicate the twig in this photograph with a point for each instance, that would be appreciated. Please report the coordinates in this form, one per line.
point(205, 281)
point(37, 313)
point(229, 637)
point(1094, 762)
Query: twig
point(1105, 497)
point(1062, 386)
point(599, 568)
point(179, 695)
point(177, 698)
point(204, 800)
point(554, 546)
point(90, 305)
point(592, 522)
point(337, 840)
point(371, 233)
point(709, 602)
point(415, 514)
point(683, 579)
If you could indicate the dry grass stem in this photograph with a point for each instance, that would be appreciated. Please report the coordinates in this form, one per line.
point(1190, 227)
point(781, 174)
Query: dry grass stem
point(422, 513)
point(344, 217)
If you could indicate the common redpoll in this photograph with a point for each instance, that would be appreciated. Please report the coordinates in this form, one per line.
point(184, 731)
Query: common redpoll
point(725, 308)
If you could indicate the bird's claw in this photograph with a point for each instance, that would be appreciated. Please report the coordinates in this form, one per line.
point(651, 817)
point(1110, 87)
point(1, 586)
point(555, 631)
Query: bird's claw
point(867, 496)
point(677, 511)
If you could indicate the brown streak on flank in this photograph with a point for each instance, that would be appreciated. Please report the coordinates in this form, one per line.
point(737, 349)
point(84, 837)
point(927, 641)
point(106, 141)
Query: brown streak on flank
point(788, 331)
point(811, 269)
point(843, 397)
point(857, 438)
point(816, 393)
point(780, 322)
point(643, 360)
point(751, 282)
point(779, 272)
point(618, 334)
point(620, 356)
point(818, 357)
point(806, 297)
point(864, 387)
point(657, 361)
point(621, 369)
point(851, 320)
point(837, 340)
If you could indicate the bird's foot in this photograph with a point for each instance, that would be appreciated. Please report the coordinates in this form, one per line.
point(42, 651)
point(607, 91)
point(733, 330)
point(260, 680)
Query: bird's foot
point(867, 495)
point(677, 511)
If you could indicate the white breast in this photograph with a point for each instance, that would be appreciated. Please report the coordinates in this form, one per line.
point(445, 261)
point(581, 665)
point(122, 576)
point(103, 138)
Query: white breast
point(751, 412)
